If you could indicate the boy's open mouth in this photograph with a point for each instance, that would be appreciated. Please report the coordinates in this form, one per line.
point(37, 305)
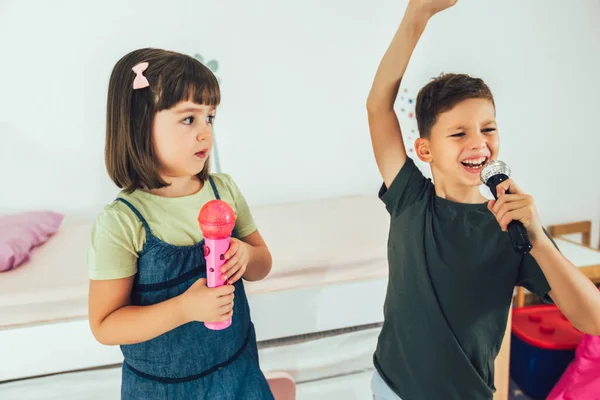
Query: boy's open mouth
point(475, 163)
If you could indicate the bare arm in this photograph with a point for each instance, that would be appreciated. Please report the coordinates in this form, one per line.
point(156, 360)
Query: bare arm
point(259, 264)
point(386, 136)
point(114, 321)
point(248, 258)
point(573, 293)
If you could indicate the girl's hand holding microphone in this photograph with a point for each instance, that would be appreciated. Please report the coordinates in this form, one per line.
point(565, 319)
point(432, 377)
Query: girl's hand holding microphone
point(204, 304)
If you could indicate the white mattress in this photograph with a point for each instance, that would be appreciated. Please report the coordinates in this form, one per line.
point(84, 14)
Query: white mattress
point(334, 368)
point(329, 272)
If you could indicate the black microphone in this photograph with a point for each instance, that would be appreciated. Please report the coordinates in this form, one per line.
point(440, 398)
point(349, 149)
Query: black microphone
point(491, 175)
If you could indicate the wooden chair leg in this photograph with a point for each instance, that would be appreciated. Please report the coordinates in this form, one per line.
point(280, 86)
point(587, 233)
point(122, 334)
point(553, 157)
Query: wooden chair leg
point(520, 296)
point(586, 238)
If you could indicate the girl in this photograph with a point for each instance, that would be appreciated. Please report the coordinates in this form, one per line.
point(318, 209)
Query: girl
point(147, 270)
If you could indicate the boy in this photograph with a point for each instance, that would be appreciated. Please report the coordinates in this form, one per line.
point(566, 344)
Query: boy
point(452, 269)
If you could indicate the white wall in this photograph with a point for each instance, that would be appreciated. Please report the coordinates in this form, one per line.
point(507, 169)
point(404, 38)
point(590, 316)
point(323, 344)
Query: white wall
point(295, 75)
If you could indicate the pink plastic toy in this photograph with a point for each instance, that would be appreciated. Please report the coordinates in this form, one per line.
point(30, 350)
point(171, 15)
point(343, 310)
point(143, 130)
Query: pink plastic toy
point(282, 385)
point(217, 221)
point(581, 379)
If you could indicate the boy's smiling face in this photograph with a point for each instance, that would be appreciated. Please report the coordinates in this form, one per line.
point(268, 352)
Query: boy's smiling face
point(461, 142)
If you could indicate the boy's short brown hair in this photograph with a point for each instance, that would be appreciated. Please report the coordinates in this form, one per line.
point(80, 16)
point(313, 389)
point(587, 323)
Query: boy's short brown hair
point(442, 94)
point(129, 153)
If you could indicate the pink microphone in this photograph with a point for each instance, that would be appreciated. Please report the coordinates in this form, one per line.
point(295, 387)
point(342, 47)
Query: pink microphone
point(217, 221)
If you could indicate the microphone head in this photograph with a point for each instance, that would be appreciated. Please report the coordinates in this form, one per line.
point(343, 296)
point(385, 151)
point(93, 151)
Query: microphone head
point(216, 219)
point(493, 167)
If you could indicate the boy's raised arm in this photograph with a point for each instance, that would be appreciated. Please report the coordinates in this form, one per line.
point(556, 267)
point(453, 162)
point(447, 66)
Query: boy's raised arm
point(386, 136)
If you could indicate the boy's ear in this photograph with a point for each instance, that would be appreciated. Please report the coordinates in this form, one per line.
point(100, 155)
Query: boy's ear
point(422, 148)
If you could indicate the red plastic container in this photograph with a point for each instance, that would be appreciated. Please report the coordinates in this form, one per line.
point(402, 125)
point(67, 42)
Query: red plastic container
point(543, 345)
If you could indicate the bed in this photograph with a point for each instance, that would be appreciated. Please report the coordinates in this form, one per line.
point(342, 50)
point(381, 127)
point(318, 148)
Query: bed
point(317, 315)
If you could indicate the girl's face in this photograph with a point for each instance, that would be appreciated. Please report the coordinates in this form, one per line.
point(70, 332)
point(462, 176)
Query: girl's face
point(183, 138)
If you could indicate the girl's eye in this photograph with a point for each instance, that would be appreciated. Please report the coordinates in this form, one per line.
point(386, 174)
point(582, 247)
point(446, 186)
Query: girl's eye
point(188, 121)
point(210, 119)
point(488, 130)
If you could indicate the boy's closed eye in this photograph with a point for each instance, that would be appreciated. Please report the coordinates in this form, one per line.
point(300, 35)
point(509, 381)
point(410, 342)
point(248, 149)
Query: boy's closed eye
point(486, 130)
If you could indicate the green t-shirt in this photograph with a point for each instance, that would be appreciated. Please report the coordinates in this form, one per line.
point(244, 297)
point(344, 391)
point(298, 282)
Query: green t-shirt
point(118, 235)
point(452, 272)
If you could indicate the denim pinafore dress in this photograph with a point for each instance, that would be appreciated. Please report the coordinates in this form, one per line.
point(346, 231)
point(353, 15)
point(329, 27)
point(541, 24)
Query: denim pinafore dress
point(190, 362)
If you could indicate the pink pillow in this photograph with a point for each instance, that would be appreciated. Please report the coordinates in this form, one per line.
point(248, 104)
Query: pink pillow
point(21, 233)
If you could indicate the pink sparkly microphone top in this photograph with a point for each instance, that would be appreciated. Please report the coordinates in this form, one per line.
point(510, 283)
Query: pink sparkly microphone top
point(216, 220)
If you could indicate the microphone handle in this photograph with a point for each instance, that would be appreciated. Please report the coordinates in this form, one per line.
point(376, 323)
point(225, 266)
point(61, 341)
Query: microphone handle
point(214, 249)
point(517, 232)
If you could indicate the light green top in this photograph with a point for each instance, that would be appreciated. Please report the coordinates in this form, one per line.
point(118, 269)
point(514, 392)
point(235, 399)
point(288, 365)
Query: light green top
point(118, 235)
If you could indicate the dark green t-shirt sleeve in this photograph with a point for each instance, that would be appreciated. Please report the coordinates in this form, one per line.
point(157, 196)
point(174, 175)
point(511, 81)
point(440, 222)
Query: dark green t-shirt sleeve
point(409, 186)
point(531, 276)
